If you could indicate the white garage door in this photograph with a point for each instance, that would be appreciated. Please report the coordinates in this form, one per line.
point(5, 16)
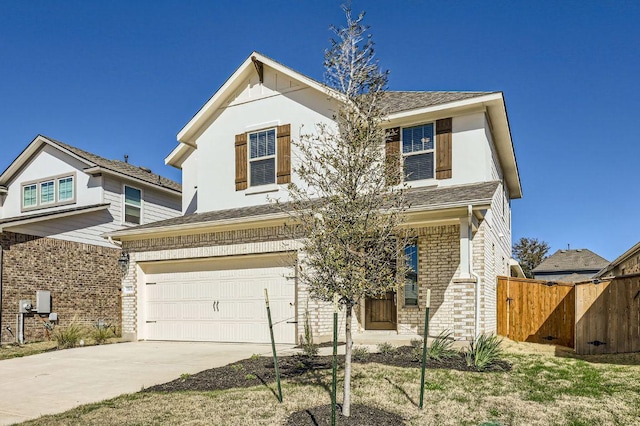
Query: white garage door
point(219, 301)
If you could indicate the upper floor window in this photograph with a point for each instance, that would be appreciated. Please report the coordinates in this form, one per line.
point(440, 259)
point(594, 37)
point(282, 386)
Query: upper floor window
point(262, 157)
point(132, 205)
point(49, 192)
point(411, 279)
point(418, 152)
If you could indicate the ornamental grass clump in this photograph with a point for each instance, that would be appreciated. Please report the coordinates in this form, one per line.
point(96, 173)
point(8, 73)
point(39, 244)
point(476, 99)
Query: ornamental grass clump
point(102, 332)
point(483, 351)
point(441, 347)
point(69, 336)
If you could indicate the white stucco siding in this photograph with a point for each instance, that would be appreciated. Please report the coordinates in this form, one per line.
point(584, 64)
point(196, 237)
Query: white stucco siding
point(190, 184)
point(492, 161)
point(49, 163)
point(216, 150)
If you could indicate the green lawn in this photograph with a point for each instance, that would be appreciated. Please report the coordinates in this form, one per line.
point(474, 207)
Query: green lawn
point(542, 389)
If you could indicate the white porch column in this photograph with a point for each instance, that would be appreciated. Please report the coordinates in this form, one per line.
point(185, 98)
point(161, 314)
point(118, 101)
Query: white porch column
point(465, 247)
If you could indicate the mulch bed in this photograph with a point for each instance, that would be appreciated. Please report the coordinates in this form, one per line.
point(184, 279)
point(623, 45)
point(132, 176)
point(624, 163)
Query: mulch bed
point(360, 415)
point(259, 370)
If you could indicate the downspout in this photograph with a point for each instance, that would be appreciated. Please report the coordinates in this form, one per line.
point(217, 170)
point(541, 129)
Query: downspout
point(471, 272)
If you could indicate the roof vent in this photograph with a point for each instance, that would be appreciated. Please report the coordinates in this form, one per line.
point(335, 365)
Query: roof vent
point(145, 169)
point(578, 250)
point(563, 251)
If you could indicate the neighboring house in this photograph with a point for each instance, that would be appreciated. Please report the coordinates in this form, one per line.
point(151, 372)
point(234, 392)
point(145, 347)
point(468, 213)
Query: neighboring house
point(56, 201)
point(202, 276)
point(570, 266)
point(628, 263)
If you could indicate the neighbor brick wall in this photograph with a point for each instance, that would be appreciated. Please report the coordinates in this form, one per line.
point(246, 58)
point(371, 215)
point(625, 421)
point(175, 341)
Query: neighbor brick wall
point(84, 281)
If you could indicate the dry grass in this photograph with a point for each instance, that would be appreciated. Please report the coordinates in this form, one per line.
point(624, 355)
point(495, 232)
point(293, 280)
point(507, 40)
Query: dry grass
point(17, 351)
point(542, 389)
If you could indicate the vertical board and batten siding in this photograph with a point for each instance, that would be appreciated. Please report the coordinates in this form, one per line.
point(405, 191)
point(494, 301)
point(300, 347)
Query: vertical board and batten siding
point(608, 316)
point(592, 318)
point(283, 151)
point(532, 311)
point(444, 148)
point(241, 162)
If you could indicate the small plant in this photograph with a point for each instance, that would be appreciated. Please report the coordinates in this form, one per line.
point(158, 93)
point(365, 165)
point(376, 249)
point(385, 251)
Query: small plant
point(184, 376)
point(441, 348)
point(237, 367)
point(250, 376)
point(309, 348)
point(256, 356)
point(69, 336)
point(386, 348)
point(102, 332)
point(360, 353)
point(483, 351)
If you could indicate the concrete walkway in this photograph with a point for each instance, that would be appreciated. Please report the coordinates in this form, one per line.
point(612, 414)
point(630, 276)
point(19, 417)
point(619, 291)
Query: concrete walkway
point(57, 381)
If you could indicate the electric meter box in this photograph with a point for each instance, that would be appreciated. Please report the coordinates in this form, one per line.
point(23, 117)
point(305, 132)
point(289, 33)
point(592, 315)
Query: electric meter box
point(43, 301)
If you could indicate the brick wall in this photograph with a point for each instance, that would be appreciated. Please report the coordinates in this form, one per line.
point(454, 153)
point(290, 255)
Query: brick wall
point(84, 281)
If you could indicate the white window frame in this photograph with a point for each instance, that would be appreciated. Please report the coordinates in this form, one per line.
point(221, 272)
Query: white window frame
point(56, 200)
point(424, 151)
point(266, 157)
point(124, 204)
point(413, 243)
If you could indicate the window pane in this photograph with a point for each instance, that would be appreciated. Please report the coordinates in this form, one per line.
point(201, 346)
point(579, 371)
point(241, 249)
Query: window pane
point(132, 214)
point(262, 144)
point(418, 138)
point(47, 193)
point(29, 196)
point(411, 280)
point(419, 166)
point(253, 144)
point(271, 142)
point(132, 196)
point(263, 172)
point(65, 189)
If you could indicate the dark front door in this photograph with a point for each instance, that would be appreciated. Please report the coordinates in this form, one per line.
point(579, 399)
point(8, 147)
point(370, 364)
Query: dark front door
point(380, 312)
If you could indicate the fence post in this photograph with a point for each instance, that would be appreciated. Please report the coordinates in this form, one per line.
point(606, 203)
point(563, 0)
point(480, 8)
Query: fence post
point(273, 345)
point(424, 345)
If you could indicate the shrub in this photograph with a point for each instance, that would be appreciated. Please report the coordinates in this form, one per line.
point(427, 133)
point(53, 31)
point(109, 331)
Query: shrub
point(483, 351)
point(70, 336)
point(102, 331)
point(360, 353)
point(309, 348)
point(441, 347)
point(386, 348)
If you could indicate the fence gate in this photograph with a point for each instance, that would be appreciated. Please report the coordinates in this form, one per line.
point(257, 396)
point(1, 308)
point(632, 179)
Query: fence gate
point(536, 311)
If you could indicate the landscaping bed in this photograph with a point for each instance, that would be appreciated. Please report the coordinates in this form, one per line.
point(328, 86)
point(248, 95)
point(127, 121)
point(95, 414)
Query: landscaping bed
point(259, 370)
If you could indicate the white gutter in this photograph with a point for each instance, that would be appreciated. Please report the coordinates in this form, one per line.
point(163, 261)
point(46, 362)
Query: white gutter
point(471, 272)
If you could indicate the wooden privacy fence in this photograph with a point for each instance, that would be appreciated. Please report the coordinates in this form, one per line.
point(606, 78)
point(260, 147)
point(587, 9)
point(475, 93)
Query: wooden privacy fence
point(591, 318)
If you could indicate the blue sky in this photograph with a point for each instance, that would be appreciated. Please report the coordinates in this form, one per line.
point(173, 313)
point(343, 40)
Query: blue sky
point(123, 77)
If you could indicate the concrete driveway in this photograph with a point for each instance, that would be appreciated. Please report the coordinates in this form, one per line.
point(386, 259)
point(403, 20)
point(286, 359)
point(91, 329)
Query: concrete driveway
point(54, 382)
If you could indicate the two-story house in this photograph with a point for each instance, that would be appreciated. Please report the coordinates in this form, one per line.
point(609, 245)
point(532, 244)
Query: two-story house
point(202, 276)
point(56, 202)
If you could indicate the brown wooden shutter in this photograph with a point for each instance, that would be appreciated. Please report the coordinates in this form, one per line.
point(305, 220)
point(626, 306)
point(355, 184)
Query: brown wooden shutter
point(284, 154)
point(392, 155)
point(241, 162)
point(443, 148)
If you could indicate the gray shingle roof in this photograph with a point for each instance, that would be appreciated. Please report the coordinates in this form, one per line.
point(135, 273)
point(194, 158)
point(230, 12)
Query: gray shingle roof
point(405, 101)
point(429, 198)
point(121, 167)
point(41, 215)
point(572, 261)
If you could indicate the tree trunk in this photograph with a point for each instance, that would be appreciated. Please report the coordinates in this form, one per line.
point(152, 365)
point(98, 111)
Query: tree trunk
point(346, 403)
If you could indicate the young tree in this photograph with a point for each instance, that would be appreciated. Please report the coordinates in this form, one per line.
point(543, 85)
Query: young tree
point(530, 253)
point(346, 208)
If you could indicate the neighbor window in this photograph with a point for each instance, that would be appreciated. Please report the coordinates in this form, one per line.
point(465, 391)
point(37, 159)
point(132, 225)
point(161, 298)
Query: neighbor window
point(29, 195)
point(262, 157)
point(132, 205)
point(418, 152)
point(49, 192)
point(411, 279)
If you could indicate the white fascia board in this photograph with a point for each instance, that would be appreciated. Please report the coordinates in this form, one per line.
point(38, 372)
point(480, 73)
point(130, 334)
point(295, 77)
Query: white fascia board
point(100, 170)
point(178, 155)
point(3, 190)
point(456, 105)
point(202, 226)
point(51, 216)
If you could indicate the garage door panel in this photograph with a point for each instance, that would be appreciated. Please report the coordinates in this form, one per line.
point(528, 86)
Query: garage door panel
point(220, 305)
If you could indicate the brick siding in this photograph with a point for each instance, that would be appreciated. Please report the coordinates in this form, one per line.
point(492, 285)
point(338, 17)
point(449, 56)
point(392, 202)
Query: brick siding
point(84, 281)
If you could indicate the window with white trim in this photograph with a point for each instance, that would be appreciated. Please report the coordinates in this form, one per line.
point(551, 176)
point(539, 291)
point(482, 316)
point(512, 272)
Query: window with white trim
point(132, 205)
point(411, 278)
point(418, 152)
point(262, 157)
point(48, 192)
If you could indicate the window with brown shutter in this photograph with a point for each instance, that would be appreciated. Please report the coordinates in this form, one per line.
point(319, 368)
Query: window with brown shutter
point(444, 132)
point(392, 156)
point(241, 162)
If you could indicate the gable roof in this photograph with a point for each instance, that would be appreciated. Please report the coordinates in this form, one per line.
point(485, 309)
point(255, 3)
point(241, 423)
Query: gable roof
point(94, 163)
point(623, 257)
point(400, 104)
point(424, 199)
point(571, 261)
